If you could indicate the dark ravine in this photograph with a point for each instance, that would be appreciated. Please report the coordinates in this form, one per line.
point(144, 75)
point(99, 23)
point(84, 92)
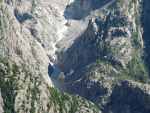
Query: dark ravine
point(146, 28)
point(79, 9)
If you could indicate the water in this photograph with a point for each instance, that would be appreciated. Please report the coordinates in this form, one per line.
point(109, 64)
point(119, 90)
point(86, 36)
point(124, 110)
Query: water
point(54, 71)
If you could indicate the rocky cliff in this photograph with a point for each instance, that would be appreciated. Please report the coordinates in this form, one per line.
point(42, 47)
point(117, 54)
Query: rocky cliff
point(110, 50)
point(96, 52)
point(29, 30)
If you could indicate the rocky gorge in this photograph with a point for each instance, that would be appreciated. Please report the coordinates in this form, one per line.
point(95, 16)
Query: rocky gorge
point(74, 56)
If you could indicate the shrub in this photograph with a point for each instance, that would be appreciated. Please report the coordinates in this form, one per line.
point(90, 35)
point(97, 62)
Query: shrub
point(8, 84)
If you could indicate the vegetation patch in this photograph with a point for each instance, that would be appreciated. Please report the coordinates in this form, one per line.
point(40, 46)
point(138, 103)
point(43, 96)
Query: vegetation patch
point(8, 84)
point(65, 103)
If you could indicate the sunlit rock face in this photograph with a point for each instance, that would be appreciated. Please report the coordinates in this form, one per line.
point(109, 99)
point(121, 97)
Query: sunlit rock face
point(29, 31)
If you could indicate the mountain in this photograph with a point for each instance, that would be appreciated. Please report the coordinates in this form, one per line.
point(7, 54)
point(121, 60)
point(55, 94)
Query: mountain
point(74, 56)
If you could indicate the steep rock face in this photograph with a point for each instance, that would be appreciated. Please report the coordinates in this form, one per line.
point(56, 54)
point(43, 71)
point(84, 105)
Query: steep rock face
point(43, 20)
point(18, 44)
point(108, 51)
point(24, 92)
point(114, 35)
point(29, 30)
point(82, 52)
